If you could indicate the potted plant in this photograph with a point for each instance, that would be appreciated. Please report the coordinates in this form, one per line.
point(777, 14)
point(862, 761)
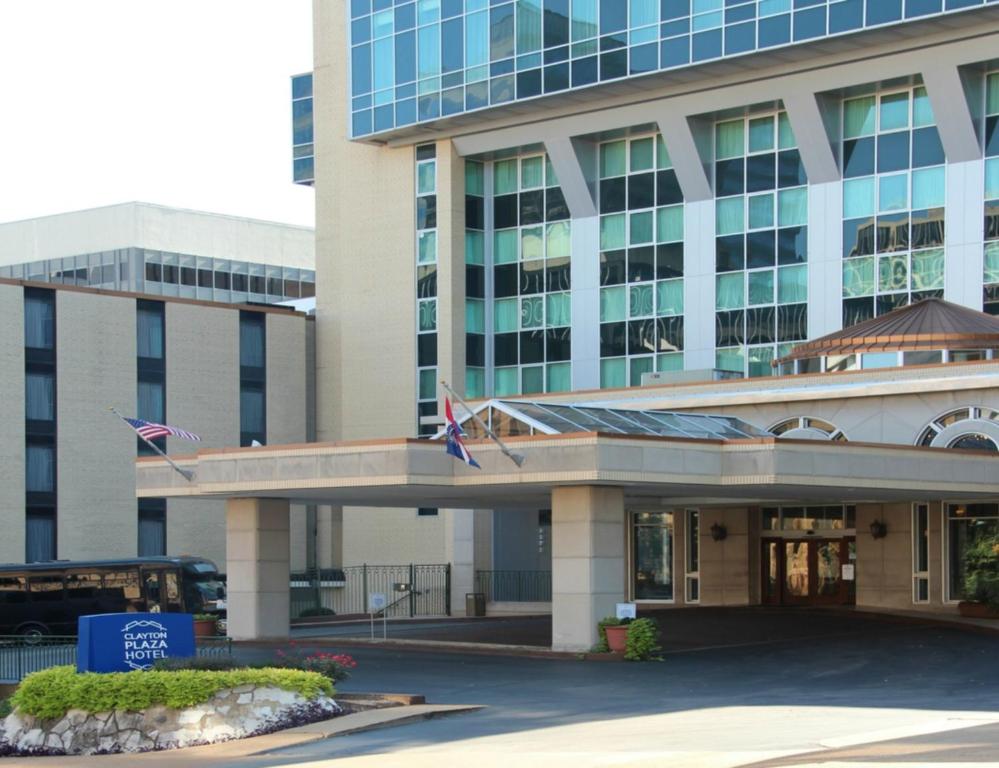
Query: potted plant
point(981, 578)
point(613, 634)
point(205, 625)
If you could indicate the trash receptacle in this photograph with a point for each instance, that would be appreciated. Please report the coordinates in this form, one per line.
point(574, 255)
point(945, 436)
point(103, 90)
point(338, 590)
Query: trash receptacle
point(475, 604)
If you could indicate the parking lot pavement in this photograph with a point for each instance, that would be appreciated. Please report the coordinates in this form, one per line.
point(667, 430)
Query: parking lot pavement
point(795, 683)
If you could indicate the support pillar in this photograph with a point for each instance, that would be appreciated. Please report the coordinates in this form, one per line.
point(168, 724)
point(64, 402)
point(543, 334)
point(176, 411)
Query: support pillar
point(257, 568)
point(588, 565)
point(459, 546)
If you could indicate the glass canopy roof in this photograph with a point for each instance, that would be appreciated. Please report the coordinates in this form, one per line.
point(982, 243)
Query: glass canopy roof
point(510, 418)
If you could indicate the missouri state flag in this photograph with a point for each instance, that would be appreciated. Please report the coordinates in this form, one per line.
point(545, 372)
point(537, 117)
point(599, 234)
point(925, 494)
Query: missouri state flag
point(454, 444)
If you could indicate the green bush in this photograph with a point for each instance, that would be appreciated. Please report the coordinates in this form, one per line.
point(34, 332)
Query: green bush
point(5, 708)
point(641, 642)
point(981, 581)
point(51, 692)
point(214, 663)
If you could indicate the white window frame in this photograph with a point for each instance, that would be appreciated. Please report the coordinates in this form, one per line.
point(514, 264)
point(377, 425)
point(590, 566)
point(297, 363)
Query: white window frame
point(632, 513)
point(690, 576)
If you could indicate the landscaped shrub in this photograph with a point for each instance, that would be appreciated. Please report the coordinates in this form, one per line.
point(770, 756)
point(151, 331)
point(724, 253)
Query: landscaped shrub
point(5, 708)
point(641, 642)
point(335, 666)
point(214, 663)
point(52, 692)
point(609, 621)
point(981, 581)
point(320, 611)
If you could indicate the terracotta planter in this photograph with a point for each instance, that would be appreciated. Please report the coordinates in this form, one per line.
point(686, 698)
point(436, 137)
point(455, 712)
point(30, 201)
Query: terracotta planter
point(972, 610)
point(616, 638)
point(205, 627)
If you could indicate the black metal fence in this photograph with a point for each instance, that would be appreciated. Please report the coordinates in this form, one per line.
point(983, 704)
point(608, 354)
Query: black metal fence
point(20, 656)
point(410, 590)
point(515, 586)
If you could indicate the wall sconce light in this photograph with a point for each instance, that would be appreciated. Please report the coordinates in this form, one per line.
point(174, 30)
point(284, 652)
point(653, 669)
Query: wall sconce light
point(718, 532)
point(879, 529)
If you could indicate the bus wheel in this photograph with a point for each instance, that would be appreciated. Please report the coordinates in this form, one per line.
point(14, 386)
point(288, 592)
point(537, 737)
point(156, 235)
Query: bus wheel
point(33, 633)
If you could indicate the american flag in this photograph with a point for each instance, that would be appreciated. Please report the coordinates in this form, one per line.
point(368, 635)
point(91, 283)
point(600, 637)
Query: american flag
point(150, 430)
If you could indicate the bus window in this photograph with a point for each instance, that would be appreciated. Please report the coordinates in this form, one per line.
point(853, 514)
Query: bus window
point(172, 592)
point(123, 591)
point(83, 586)
point(46, 589)
point(12, 590)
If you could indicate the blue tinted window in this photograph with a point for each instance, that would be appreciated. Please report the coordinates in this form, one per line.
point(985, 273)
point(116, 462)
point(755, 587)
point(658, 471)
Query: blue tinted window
point(361, 123)
point(359, 7)
point(301, 86)
point(301, 113)
point(926, 147)
point(613, 16)
point(644, 58)
point(384, 118)
point(584, 71)
point(675, 52)
point(920, 7)
point(674, 9)
point(740, 13)
point(740, 38)
point(360, 30)
point(405, 17)
point(501, 32)
point(450, 8)
point(556, 23)
point(405, 112)
point(556, 78)
point(882, 11)
point(846, 16)
point(452, 49)
point(360, 69)
point(810, 23)
point(707, 45)
point(405, 57)
point(775, 30)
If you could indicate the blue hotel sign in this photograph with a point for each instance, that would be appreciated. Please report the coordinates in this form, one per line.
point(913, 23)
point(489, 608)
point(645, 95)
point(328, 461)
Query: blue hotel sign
point(122, 642)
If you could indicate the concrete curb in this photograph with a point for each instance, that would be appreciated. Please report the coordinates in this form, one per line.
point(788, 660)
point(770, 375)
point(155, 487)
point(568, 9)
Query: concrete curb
point(357, 722)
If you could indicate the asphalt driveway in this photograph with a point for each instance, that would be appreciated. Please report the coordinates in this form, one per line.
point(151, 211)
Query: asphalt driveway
point(778, 684)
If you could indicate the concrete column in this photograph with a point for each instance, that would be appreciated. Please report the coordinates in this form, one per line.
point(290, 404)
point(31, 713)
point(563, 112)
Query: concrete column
point(699, 285)
point(575, 164)
point(329, 533)
point(585, 275)
point(964, 219)
point(588, 564)
point(450, 266)
point(946, 88)
point(459, 548)
point(825, 258)
point(257, 568)
point(811, 116)
point(688, 141)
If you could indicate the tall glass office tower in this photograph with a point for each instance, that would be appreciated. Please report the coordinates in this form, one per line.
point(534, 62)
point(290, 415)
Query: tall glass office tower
point(524, 196)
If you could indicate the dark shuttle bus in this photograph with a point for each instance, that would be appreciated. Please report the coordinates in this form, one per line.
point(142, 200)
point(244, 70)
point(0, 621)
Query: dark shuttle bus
point(47, 598)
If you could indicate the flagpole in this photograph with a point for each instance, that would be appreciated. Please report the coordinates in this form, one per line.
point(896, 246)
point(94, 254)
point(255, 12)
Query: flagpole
point(516, 458)
point(186, 474)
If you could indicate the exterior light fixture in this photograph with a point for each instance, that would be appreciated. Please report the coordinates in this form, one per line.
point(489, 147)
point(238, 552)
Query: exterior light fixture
point(879, 529)
point(960, 510)
point(718, 532)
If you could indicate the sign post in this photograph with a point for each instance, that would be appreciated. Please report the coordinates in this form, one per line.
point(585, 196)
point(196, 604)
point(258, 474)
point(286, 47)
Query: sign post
point(123, 642)
point(376, 603)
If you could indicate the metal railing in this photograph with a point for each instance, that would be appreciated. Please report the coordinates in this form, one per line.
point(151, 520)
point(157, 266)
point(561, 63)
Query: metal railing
point(410, 590)
point(20, 656)
point(515, 586)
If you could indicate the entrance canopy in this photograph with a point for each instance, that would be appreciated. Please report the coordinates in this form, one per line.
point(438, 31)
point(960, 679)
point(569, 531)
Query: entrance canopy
point(649, 469)
point(508, 418)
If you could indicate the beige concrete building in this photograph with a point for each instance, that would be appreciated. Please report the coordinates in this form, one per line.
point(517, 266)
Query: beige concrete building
point(229, 373)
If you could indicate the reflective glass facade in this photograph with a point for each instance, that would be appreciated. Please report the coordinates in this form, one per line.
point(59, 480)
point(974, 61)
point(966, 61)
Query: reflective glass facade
point(303, 151)
point(990, 278)
point(412, 62)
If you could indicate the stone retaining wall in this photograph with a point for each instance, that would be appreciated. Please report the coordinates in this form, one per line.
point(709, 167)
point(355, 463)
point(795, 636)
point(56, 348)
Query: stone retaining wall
point(231, 714)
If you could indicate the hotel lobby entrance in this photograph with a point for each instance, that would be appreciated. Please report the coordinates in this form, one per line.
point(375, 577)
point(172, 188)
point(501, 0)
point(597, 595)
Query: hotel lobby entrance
point(809, 555)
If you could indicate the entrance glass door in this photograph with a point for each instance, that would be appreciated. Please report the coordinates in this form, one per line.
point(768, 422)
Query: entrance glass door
point(807, 571)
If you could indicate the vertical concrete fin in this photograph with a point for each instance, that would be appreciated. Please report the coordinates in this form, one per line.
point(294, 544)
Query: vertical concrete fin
point(810, 115)
point(688, 141)
point(952, 113)
point(574, 161)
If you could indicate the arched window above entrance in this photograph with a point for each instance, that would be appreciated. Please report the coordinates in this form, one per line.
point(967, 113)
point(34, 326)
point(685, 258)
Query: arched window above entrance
point(968, 428)
point(808, 428)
